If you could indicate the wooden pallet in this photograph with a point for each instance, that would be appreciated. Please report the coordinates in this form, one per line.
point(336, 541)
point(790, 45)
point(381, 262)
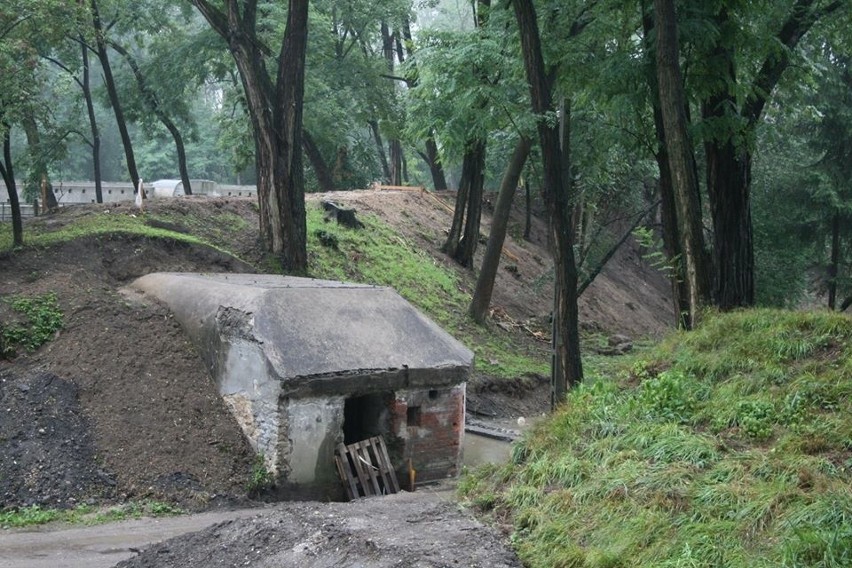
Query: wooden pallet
point(365, 469)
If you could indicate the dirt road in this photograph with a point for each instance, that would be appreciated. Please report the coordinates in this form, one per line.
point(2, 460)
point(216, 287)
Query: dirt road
point(99, 546)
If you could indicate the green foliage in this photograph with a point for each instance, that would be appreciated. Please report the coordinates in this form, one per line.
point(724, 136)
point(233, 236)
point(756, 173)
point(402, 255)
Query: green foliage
point(260, 478)
point(669, 396)
point(41, 319)
point(85, 514)
point(726, 446)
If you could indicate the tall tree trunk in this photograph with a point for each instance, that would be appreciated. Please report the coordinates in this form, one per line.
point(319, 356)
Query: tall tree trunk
point(452, 242)
point(394, 145)
point(39, 175)
point(475, 158)
point(834, 265)
point(275, 111)
point(499, 223)
point(681, 160)
point(464, 232)
point(318, 163)
point(93, 123)
point(729, 159)
point(527, 210)
point(567, 360)
point(109, 82)
point(470, 237)
point(380, 148)
point(729, 187)
point(154, 105)
point(668, 209)
point(8, 173)
point(433, 160)
point(395, 162)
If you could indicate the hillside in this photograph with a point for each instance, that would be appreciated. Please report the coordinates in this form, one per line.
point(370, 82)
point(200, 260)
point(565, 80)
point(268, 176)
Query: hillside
point(117, 405)
point(728, 446)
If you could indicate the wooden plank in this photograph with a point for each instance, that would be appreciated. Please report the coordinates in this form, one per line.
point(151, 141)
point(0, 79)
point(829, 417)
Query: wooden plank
point(363, 453)
point(376, 457)
point(345, 471)
point(383, 187)
point(384, 451)
point(365, 468)
point(363, 478)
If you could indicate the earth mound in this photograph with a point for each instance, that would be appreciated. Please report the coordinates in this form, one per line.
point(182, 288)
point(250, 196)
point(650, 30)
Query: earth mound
point(138, 407)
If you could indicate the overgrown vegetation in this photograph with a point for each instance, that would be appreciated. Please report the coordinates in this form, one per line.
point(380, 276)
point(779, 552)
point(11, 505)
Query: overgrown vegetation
point(85, 514)
point(260, 478)
point(39, 318)
point(379, 255)
point(727, 446)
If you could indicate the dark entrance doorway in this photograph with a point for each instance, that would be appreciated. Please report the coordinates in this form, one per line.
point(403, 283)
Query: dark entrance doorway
point(367, 416)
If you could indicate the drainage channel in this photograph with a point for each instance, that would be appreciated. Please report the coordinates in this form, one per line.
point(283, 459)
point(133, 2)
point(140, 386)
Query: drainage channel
point(488, 442)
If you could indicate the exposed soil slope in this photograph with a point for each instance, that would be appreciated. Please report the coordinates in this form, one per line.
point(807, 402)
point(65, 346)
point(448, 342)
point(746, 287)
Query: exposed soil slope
point(119, 404)
point(414, 530)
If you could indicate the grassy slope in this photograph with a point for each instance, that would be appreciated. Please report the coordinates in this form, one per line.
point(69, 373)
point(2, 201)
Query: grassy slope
point(377, 255)
point(728, 446)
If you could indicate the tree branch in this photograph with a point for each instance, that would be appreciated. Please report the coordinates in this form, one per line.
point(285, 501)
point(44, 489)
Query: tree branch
point(802, 17)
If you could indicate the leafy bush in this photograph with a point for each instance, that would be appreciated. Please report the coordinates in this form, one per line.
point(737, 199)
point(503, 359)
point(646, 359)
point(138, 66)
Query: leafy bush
point(42, 318)
point(260, 478)
point(668, 396)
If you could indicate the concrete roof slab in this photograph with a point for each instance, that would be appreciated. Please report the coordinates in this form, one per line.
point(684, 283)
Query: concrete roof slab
point(308, 327)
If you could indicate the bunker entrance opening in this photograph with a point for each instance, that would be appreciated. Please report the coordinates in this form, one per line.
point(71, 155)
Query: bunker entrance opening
point(367, 416)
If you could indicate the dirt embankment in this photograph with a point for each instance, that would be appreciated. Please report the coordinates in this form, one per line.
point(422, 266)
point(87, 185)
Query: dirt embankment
point(120, 406)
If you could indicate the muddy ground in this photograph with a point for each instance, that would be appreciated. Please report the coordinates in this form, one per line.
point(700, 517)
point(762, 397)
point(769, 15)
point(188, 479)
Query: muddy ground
point(410, 530)
point(119, 405)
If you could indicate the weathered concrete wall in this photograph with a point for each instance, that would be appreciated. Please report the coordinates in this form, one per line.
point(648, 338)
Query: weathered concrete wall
point(288, 355)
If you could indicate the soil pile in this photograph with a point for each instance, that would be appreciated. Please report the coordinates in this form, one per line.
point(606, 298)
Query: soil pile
point(414, 530)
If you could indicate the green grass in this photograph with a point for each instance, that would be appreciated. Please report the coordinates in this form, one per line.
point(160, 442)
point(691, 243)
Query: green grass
point(378, 255)
point(40, 318)
point(727, 446)
point(107, 223)
point(85, 514)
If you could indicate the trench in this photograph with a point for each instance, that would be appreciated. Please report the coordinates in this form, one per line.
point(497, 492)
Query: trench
point(490, 441)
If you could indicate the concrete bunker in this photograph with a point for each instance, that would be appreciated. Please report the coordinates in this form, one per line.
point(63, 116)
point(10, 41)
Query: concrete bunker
point(305, 364)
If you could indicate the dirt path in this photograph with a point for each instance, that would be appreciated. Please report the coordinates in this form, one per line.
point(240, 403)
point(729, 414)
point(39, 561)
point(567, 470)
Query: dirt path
point(100, 546)
point(412, 530)
point(425, 529)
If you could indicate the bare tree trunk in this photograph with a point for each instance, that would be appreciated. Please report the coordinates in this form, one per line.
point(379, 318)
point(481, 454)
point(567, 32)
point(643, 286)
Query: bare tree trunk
point(680, 159)
point(8, 173)
point(380, 148)
point(154, 105)
point(527, 210)
point(320, 166)
point(93, 123)
point(395, 162)
point(834, 265)
point(109, 82)
point(40, 177)
point(464, 232)
point(470, 237)
point(439, 180)
point(499, 223)
point(668, 210)
point(567, 359)
point(275, 110)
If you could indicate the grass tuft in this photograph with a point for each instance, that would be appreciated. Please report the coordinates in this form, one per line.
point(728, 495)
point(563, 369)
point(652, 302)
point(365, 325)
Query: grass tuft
point(726, 446)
